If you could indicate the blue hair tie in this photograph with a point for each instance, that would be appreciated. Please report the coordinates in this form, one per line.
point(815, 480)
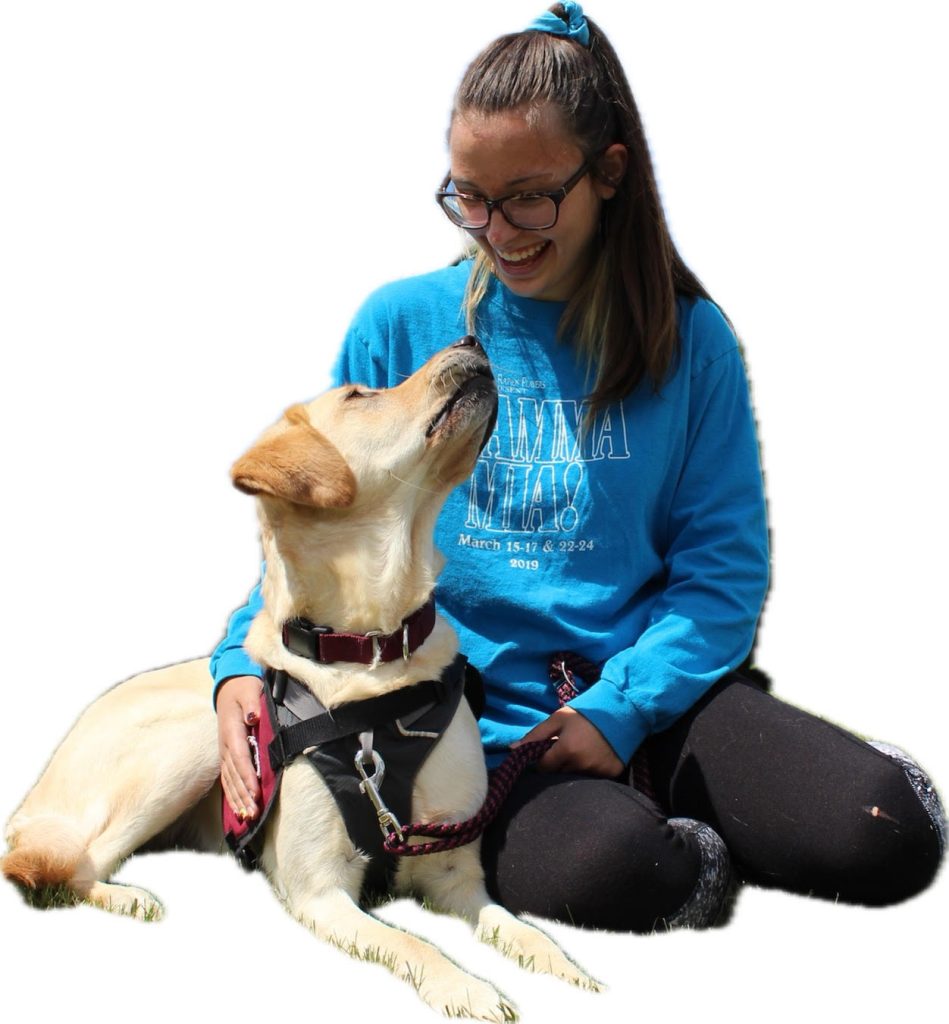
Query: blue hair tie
point(575, 27)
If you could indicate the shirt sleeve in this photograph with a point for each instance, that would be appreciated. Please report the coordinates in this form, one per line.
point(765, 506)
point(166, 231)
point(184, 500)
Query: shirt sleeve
point(229, 657)
point(716, 571)
point(360, 361)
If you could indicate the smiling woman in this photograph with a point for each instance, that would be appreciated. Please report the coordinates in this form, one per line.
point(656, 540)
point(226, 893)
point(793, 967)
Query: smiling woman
point(161, 295)
point(633, 478)
point(540, 247)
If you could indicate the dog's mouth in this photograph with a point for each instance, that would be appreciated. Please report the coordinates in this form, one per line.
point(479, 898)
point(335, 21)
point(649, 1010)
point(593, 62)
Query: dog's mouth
point(472, 392)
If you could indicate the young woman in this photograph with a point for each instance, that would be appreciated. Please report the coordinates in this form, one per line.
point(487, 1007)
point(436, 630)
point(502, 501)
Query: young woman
point(617, 513)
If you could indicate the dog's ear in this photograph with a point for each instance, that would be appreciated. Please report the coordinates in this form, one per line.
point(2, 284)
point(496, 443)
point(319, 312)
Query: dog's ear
point(298, 464)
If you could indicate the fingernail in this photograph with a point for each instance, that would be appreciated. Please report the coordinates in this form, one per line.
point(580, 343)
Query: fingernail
point(251, 718)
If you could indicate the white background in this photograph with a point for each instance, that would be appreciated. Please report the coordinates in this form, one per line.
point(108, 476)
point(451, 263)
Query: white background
point(194, 198)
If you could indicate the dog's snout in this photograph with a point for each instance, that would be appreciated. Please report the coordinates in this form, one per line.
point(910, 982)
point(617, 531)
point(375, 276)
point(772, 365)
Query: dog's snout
point(469, 341)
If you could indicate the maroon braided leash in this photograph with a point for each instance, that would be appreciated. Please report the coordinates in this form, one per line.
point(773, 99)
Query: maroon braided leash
point(449, 835)
point(564, 667)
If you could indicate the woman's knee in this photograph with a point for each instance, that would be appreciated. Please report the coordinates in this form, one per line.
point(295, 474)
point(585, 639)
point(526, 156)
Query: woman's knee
point(904, 829)
point(892, 845)
point(597, 854)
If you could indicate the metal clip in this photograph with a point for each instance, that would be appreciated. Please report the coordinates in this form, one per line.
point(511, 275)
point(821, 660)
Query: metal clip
point(406, 653)
point(388, 822)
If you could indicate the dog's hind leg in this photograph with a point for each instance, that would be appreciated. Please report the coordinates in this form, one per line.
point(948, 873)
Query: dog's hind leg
point(50, 851)
point(138, 760)
point(160, 821)
point(81, 853)
point(90, 880)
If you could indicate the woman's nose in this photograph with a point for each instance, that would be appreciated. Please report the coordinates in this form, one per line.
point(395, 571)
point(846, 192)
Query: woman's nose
point(499, 230)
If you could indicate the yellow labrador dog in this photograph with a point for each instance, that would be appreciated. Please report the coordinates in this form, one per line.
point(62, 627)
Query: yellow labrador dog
point(348, 489)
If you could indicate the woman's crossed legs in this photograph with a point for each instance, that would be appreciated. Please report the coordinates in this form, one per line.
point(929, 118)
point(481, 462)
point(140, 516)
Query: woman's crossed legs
point(799, 803)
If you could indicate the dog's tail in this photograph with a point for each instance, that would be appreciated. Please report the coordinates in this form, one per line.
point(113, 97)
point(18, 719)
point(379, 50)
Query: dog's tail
point(44, 851)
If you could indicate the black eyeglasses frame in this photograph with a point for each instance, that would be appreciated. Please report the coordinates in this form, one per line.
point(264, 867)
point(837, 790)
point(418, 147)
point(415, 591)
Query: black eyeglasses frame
point(556, 196)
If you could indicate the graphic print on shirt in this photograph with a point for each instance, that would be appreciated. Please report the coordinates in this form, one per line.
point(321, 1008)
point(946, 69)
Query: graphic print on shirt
point(531, 481)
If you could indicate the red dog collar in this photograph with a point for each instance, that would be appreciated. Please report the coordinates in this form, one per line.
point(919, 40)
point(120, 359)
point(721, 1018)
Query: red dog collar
point(322, 644)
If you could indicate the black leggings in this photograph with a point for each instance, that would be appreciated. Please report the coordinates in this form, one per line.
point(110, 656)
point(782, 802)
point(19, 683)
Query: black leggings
point(799, 803)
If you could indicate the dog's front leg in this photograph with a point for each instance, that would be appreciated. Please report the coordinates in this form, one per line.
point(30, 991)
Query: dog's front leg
point(529, 946)
point(312, 864)
point(334, 917)
point(454, 882)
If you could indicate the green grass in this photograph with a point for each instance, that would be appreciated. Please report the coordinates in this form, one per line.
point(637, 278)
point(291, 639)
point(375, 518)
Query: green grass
point(49, 897)
point(369, 955)
point(57, 897)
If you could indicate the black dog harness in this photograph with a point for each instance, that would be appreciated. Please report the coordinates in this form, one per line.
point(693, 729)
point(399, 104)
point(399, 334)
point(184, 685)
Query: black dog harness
point(372, 781)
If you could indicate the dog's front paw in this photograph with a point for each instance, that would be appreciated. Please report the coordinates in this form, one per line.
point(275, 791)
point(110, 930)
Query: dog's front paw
point(476, 1000)
point(461, 995)
point(530, 947)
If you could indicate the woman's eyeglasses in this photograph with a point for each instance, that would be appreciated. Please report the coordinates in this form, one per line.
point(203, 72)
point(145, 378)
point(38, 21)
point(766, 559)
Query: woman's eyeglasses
point(532, 211)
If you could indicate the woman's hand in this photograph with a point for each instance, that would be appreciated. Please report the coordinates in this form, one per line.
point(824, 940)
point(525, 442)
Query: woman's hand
point(238, 708)
point(580, 746)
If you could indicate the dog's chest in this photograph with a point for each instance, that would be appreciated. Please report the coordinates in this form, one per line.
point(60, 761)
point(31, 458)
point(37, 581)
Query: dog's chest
point(403, 743)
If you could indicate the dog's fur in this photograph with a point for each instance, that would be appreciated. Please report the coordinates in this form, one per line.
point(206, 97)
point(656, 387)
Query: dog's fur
point(348, 489)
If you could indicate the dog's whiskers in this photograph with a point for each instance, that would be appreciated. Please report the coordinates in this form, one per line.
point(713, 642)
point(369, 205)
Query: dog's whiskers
point(410, 483)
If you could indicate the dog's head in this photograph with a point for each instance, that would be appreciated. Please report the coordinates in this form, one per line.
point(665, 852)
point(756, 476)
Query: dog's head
point(358, 446)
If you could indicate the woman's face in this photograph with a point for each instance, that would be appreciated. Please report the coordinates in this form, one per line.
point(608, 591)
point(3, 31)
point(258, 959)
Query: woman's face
point(498, 155)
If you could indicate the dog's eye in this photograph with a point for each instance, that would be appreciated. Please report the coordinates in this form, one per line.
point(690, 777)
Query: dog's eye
point(357, 393)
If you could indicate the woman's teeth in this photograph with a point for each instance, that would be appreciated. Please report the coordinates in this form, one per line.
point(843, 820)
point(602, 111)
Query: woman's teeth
point(522, 254)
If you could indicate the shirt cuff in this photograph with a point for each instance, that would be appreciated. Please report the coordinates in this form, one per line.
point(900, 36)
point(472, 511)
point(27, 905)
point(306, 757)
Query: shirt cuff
point(622, 724)
point(230, 664)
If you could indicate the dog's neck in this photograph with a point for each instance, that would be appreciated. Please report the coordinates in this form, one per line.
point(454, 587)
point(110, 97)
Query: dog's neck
point(354, 575)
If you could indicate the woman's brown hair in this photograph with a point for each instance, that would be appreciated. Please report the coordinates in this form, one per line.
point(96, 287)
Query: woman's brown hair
point(623, 317)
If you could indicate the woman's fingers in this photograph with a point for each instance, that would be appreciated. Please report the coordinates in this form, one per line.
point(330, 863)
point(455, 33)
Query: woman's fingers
point(238, 707)
point(580, 746)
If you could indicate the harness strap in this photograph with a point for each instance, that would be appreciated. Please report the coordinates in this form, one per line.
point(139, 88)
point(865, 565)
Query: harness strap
point(350, 719)
point(429, 706)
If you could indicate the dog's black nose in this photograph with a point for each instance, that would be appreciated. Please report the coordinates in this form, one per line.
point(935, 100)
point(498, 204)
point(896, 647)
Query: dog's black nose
point(469, 341)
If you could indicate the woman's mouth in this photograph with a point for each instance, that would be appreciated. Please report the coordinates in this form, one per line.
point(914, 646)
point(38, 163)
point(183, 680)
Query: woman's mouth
point(519, 262)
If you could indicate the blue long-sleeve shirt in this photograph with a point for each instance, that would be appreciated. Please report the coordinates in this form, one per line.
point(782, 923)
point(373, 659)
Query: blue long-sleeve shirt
point(636, 538)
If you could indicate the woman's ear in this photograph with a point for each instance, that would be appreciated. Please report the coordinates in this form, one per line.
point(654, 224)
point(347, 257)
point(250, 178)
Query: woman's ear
point(610, 170)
